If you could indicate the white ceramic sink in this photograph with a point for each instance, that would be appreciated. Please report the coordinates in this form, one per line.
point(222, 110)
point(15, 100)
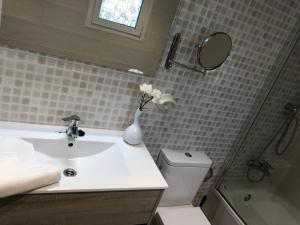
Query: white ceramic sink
point(102, 160)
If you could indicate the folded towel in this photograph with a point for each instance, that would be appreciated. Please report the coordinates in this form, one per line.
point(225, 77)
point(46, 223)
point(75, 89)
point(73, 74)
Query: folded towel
point(20, 170)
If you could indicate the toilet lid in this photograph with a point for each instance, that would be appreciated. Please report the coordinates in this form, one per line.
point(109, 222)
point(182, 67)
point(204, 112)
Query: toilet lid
point(182, 216)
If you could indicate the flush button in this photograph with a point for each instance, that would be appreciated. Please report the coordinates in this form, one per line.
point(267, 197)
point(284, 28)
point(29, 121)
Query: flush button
point(188, 154)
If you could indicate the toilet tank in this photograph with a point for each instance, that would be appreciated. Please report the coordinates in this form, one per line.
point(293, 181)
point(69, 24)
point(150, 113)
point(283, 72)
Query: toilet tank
point(184, 173)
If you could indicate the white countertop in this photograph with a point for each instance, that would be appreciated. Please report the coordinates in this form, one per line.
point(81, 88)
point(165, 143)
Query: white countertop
point(103, 161)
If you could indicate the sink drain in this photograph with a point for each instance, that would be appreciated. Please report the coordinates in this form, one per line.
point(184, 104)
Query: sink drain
point(70, 172)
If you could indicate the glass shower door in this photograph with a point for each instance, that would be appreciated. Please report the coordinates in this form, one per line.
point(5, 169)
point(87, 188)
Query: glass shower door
point(262, 183)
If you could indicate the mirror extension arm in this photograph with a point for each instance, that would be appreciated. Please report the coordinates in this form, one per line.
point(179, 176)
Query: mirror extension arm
point(171, 55)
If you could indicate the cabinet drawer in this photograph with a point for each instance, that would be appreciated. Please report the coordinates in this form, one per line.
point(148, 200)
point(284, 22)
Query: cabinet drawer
point(96, 208)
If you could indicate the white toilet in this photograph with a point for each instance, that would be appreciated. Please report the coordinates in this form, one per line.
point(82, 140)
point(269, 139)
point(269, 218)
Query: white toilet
point(184, 173)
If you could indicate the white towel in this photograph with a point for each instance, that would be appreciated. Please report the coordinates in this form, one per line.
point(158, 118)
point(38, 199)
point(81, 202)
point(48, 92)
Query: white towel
point(20, 170)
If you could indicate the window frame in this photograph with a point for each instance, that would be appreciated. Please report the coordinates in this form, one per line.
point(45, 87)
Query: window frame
point(137, 32)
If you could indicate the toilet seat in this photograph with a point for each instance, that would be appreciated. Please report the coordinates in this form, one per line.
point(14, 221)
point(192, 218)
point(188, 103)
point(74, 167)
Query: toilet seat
point(181, 215)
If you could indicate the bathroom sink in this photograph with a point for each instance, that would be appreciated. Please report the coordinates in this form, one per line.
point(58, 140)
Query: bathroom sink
point(99, 161)
point(85, 157)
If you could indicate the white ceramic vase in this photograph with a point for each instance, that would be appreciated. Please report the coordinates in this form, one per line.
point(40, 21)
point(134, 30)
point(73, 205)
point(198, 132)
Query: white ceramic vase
point(133, 134)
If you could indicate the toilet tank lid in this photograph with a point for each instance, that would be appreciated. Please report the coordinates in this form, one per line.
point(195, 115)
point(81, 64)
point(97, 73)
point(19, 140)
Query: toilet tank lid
point(186, 158)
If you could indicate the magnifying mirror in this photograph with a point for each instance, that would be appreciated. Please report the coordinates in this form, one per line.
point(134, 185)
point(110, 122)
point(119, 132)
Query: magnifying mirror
point(211, 53)
point(214, 50)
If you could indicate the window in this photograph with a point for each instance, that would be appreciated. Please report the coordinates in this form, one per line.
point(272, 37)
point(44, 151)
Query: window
point(122, 12)
point(123, 17)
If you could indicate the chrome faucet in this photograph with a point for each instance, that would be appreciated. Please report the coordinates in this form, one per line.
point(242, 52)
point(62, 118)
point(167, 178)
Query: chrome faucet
point(73, 131)
point(259, 165)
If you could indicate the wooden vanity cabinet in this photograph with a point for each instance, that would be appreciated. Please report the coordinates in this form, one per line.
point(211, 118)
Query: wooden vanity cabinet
point(90, 208)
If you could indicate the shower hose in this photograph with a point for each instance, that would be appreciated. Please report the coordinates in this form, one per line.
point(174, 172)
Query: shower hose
point(279, 150)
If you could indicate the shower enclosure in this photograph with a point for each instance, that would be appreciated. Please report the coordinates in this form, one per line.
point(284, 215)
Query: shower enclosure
point(262, 180)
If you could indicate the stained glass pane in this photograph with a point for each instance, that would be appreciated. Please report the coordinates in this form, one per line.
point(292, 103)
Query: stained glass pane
point(125, 12)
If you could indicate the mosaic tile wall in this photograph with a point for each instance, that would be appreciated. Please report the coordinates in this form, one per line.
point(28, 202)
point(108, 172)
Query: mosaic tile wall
point(270, 119)
point(211, 112)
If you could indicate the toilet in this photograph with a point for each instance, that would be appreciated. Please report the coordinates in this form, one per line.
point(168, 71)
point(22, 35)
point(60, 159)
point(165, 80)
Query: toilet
point(184, 173)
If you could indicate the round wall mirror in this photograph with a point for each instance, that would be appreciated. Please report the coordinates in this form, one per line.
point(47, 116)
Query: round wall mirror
point(214, 50)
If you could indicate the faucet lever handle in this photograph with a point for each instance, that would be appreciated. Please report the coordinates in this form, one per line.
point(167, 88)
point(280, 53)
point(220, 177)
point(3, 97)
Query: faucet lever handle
point(71, 118)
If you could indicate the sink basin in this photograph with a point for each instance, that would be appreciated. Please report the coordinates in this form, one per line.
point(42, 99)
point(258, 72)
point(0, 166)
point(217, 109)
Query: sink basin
point(101, 160)
point(85, 157)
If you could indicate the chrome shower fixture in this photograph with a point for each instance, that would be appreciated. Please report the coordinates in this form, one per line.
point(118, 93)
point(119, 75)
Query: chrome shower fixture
point(291, 107)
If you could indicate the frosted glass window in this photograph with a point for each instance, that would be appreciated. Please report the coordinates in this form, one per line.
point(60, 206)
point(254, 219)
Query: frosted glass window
point(125, 12)
point(121, 17)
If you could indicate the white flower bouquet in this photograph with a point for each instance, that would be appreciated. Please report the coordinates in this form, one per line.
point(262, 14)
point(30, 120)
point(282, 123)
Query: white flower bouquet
point(149, 94)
